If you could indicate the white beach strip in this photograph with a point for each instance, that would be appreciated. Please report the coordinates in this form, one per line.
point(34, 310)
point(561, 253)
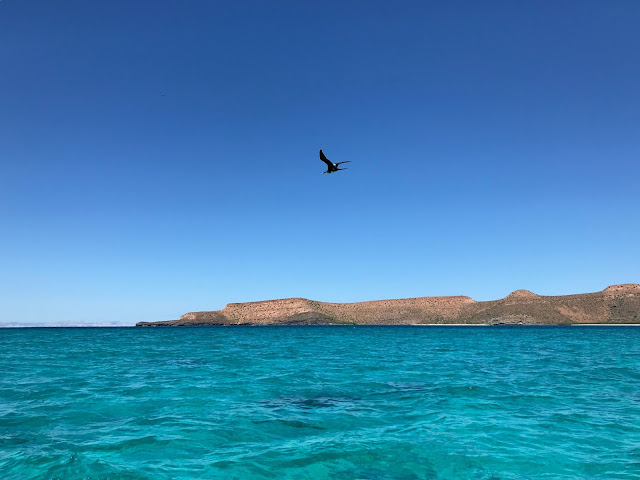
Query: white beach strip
point(605, 324)
point(450, 324)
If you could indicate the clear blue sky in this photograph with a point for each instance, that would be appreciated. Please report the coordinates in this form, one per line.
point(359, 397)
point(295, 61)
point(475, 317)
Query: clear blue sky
point(162, 157)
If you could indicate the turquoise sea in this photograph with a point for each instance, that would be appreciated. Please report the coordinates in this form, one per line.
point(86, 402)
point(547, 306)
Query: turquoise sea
point(402, 403)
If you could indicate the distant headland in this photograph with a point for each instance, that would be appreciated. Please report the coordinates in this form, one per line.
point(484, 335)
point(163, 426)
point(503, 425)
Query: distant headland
point(617, 304)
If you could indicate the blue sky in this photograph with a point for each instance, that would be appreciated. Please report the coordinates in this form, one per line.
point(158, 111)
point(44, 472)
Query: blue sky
point(162, 157)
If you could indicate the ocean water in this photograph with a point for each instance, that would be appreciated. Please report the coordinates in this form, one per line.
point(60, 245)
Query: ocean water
point(401, 403)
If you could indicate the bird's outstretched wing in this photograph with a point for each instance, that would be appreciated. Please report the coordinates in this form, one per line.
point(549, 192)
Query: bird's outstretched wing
point(325, 159)
point(346, 161)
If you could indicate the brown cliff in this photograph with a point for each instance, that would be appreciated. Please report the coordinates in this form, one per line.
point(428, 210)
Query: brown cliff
point(615, 304)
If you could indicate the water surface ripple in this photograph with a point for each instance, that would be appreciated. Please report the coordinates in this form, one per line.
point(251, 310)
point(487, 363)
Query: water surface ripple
point(383, 403)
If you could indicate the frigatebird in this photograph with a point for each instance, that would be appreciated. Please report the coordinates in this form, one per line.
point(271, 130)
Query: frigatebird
point(331, 167)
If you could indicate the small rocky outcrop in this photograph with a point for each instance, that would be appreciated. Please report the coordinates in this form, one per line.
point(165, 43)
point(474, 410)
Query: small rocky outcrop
point(521, 294)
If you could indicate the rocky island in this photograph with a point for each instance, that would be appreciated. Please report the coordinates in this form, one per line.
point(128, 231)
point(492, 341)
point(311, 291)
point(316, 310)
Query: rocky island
point(617, 304)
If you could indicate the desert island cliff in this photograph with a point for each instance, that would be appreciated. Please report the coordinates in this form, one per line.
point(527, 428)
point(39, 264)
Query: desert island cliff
point(617, 304)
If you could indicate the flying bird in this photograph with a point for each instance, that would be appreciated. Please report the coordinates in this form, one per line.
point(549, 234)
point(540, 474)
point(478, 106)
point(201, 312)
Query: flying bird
point(331, 167)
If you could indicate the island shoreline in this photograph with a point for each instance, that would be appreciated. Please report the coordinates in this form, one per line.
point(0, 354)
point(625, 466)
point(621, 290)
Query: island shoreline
point(616, 305)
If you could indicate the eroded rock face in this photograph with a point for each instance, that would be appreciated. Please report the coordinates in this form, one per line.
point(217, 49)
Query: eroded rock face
point(270, 311)
point(615, 304)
